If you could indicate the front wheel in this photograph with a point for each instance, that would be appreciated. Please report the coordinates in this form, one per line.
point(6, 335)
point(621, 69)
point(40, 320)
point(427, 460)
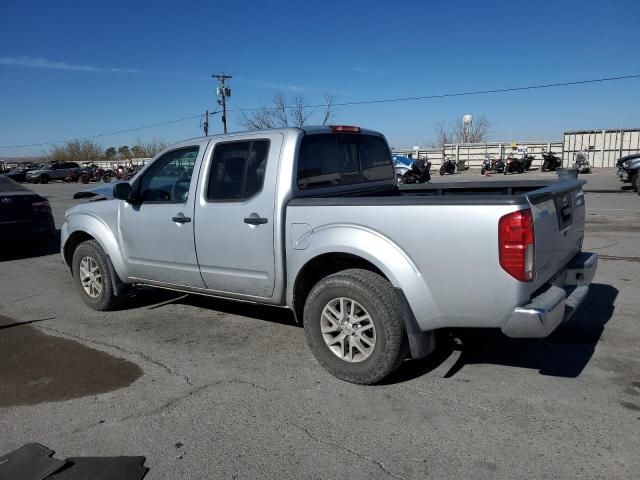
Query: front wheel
point(483, 171)
point(354, 326)
point(635, 182)
point(92, 277)
point(443, 169)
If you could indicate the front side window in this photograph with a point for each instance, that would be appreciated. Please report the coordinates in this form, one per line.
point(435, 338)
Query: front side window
point(237, 170)
point(342, 159)
point(168, 179)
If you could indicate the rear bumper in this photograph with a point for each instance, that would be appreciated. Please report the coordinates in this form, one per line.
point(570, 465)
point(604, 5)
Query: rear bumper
point(557, 303)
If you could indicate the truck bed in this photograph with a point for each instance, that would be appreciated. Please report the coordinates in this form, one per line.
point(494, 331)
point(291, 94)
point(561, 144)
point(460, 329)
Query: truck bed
point(449, 233)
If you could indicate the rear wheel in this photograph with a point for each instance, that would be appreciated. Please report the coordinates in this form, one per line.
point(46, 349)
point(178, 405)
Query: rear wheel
point(354, 327)
point(44, 179)
point(93, 278)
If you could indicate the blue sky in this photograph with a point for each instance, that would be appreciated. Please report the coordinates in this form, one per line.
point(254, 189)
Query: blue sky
point(71, 69)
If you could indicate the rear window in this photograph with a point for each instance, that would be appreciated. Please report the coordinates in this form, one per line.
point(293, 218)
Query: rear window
point(342, 159)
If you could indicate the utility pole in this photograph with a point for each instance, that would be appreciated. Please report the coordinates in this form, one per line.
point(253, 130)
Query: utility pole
point(223, 92)
point(206, 123)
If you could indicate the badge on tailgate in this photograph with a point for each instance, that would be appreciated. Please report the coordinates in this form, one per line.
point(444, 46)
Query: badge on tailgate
point(564, 209)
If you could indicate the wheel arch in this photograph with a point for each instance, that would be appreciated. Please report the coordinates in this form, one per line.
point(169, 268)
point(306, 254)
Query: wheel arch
point(322, 266)
point(80, 228)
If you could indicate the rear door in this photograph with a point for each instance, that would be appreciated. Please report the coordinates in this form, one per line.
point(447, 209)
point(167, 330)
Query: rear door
point(234, 217)
point(559, 217)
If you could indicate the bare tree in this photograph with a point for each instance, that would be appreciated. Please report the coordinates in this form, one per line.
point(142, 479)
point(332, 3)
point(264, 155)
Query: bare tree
point(459, 132)
point(476, 132)
point(284, 112)
point(329, 108)
point(443, 135)
point(148, 149)
point(75, 151)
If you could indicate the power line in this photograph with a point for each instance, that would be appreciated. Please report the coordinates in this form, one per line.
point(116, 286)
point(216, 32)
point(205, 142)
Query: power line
point(361, 102)
point(105, 134)
point(448, 95)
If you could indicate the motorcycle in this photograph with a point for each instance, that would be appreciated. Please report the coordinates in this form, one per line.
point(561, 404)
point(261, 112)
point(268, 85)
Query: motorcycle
point(527, 160)
point(490, 164)
point(448, 166)
point(73, 177)
point(581, 162)
point(514, 165)
point(550, 162)
point(419, 172)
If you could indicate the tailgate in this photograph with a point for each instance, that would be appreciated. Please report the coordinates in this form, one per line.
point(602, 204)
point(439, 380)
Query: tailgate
point(559, 216)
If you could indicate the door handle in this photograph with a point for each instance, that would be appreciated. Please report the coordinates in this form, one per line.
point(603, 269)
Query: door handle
point(255, 220)
point(180, 218)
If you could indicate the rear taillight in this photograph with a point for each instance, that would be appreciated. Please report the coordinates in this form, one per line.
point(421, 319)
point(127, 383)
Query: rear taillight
point(41, 207)
point(516, 244)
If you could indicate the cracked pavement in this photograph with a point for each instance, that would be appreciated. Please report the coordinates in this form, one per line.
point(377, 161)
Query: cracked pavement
point(232, 391)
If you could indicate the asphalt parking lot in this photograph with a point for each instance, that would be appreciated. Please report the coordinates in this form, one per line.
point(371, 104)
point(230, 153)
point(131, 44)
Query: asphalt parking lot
point(211, 389)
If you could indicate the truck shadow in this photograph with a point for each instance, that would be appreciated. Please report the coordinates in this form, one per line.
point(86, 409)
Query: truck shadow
point(565, 353)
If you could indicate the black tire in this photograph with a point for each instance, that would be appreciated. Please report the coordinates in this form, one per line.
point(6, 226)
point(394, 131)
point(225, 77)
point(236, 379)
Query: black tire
point(378, 298)
point(482, 171)
point(544, 166)
point(635, 182)
point(106, 300)
point(443, 169)
point(44, 179)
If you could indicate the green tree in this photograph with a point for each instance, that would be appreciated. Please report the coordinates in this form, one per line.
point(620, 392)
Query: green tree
point(136, 151)
point(124, 153)
point(110, 153)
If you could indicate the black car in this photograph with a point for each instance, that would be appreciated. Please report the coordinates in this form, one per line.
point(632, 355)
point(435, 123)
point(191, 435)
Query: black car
point(621, 160)
point(24, 215)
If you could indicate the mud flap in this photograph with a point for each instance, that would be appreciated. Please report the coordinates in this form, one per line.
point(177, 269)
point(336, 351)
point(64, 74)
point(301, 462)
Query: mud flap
point(120, 289)
point(421, 343)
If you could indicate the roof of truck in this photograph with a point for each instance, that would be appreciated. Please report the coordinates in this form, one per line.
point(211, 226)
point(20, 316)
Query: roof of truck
point(307, 129)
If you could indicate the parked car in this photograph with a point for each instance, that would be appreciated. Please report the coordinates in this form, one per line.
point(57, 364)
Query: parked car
point(627, 168)
point(53, 171)
point(312, 219)
point(19, 174)
point(627, 159)
point(24, 215)
point(631, 172)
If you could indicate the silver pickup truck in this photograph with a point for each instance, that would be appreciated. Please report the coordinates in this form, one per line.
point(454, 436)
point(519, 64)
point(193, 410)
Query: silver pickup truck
point(312, 219)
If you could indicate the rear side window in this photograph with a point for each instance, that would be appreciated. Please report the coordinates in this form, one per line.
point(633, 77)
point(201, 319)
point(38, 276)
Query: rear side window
point(342, 159)
point(237, 170)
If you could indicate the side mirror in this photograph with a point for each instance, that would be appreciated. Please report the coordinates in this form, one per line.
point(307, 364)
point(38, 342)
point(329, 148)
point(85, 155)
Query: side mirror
point(123, 191)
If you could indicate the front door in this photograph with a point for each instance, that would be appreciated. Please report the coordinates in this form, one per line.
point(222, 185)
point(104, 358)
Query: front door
point(157, 231)
point(234, 226)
